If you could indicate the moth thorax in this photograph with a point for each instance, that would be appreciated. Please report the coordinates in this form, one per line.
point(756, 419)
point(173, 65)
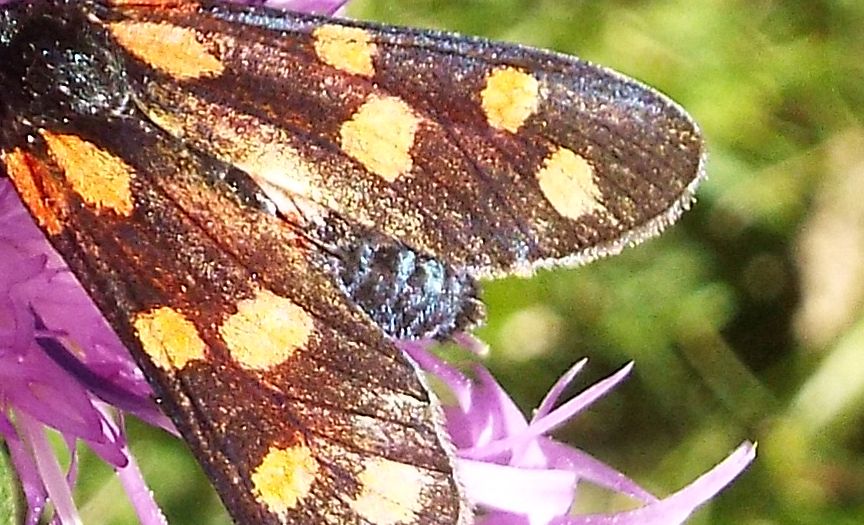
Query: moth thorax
point(409, 294)
point(57, 65)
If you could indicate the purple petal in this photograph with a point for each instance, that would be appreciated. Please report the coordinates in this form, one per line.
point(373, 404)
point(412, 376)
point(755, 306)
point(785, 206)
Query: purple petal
point(503, 518)
point(139, 494)
point(28, 475)
point(471, 343)
point(679, 506)
point(459, 385)
point(559, 416)
point(589, 468)
point(305, 6)
point(37, 386)
point(557, 389)
point(544, 492)
point(49, 471)
point(493, 395)
point(518, 437)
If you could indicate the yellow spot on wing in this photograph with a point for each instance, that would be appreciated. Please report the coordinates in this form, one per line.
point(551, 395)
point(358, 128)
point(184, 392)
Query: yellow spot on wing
point(100, 178)
point(380, 136)
point(171, 340)
point(509, 98)
point(42, 207)
point(390, 492)
point(266, 330)
point(174, 50)
point(284, 478)
point(567, 181)
point(345, 48)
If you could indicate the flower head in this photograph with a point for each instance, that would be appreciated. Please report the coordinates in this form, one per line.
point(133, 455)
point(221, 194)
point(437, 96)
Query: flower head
point(518, 475)
point(60, 368)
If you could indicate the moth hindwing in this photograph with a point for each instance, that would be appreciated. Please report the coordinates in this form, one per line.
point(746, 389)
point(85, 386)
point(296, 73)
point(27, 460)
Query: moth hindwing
point(260, 201)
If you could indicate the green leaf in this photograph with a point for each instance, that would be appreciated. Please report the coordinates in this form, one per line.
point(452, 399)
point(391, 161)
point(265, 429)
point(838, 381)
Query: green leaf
point(11, 501)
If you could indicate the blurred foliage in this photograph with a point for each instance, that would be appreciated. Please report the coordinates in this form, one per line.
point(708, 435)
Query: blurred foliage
point(745, 320)
point(11, 499)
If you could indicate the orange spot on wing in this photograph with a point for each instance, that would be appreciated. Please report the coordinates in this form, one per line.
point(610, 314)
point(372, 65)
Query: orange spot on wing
point(98, 177)
point(284, 478)
point(380, 136)
point(266, 331)
point(170, 339)
point(348, 49)
point(38, 190)
point(169, 48)
point(510, 97)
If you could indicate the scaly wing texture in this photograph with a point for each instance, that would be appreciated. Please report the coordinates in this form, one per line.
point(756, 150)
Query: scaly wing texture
point(298, 408)
point(492, 156)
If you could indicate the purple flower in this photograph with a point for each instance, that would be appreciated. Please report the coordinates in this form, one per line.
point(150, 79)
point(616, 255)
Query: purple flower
point(307, 6)
point(517, 475)
point(62, 368)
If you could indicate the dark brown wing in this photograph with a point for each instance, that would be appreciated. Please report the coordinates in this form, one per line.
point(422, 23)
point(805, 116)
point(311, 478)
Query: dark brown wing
point(297, 407)
point(491, 156)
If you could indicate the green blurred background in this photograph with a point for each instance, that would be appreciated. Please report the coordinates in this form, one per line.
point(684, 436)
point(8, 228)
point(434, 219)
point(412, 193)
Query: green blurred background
point(745, 319)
